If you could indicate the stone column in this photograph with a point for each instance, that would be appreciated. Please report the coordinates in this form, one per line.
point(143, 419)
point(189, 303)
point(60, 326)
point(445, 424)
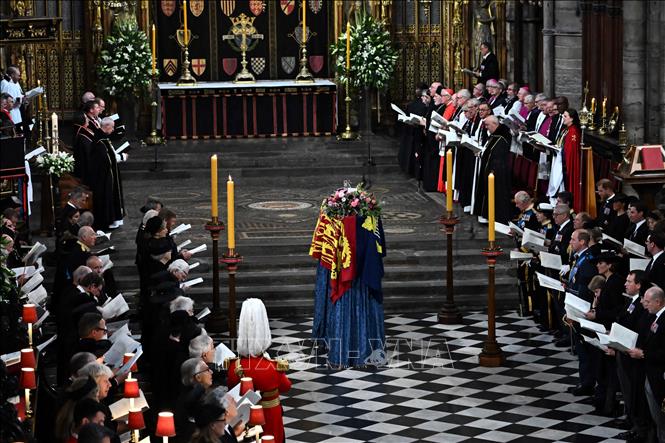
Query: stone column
point(654, 69)
point(634, 70)
point(568, 51)
point(548, 47)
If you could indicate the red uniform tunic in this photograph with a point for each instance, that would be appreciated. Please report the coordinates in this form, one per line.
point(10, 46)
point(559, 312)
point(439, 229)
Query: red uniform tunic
point(270, 382)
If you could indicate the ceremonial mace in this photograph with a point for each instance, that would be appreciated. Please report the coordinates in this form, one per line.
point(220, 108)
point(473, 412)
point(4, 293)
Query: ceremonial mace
point(184, 37)
point(449, 313)
point(491, 356)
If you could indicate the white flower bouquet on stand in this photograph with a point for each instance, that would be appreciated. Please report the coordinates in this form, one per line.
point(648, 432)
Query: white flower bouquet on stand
point(56, 163)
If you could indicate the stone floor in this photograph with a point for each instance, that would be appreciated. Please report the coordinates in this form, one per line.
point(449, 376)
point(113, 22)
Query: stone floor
point(432, 388)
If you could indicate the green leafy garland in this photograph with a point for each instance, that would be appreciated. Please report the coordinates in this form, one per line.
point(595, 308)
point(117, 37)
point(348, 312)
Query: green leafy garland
point(125, 62)
point(373, 56)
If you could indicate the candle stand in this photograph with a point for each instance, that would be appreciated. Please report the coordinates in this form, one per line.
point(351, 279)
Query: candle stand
point(232, 259)
point(449, 314)
point(216, 320)
point(491, 355)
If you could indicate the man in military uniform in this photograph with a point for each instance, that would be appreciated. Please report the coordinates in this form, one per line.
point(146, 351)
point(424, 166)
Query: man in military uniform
point(559, 245)
point(543, 298)
point(525, 220)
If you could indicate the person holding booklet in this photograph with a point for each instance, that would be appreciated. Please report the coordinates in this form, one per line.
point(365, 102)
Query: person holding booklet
point(630, 371)
point(652, 351)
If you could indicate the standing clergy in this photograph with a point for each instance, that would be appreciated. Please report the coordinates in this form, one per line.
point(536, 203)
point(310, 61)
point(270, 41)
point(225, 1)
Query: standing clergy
point(103, 177)
point(495, 160)
point(430, 158)
point(489, 66)
point(465, 160)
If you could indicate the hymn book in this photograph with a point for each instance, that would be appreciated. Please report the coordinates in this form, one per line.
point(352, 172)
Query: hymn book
point(122, 345)
point(549, 282)
point(31, 284)
point(595, 341)
point(592, 326)
point(516, 229)
point(124, 369)
point(190, 283)
point(533, 240)
point(397, 109)
point(519, 255)
point(197, 249)
point(34, 153)
point(472, 145)
point(34, 92)
point(37, 296)
point(222, 353)
point(114, 308)
point(550, 261)
point(576, 308)
point(41, 319)
point(501, 228)
point(612, 240)
point(622, 338)
point(180, 229)
point(204, 312)
point(639, 263)
point(120, 409)
point(634, 248)
point(183, 244)
point(40, 347)
point(121, 148)
point(35, 252)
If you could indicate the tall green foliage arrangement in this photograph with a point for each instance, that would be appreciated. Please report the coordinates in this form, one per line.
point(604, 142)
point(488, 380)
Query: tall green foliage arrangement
point(373, 55)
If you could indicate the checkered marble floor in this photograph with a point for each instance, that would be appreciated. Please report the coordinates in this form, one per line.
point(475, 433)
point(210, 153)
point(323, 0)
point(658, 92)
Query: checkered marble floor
point(432, 388)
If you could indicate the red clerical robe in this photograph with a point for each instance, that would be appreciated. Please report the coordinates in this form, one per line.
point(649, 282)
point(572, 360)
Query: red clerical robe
point(270, 381)
point(572, 171)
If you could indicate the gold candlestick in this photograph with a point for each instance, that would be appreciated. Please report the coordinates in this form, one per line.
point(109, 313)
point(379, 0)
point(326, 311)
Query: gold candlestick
point(186, 77)
point(348, 134)
point(304, 76)
point(154, 138)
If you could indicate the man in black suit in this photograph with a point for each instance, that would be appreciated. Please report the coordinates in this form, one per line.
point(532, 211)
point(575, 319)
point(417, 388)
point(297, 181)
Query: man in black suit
point(605, 190)
point(639, 229)
point(489, 65)
point(561, 218)
point(630, 371)
point(653, 354)
point(656, 268)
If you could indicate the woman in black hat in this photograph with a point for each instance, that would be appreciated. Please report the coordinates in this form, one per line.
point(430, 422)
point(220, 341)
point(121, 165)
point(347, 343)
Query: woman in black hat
point(619, 224)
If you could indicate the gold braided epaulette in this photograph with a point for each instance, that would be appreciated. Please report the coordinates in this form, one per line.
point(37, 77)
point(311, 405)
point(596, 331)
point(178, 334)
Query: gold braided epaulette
point(282, 365)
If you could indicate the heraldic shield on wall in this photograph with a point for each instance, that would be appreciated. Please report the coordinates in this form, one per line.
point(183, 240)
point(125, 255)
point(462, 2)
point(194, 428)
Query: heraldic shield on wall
point(276, 56)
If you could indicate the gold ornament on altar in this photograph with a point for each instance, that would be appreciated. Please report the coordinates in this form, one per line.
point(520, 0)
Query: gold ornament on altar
point(243, 37)
point(184, 37)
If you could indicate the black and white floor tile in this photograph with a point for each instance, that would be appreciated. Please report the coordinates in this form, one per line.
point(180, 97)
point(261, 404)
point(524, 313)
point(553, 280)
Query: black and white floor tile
point(433, 389)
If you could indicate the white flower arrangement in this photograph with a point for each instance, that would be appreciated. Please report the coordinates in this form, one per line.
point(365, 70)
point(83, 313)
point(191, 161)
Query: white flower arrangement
point(125, 61)
point(373, 56)
point(57, 163)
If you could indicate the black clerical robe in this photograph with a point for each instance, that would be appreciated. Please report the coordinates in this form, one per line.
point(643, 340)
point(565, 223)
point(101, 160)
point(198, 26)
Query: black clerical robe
point(412, 137)
point(102, 178)
point(495, 159)
point(83, 141)
point(489, 68)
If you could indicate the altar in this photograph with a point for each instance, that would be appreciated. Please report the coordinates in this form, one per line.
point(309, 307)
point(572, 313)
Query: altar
point(267, 108)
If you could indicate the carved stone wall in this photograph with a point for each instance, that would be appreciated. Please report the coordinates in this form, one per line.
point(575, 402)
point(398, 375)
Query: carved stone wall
point(562, 49)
